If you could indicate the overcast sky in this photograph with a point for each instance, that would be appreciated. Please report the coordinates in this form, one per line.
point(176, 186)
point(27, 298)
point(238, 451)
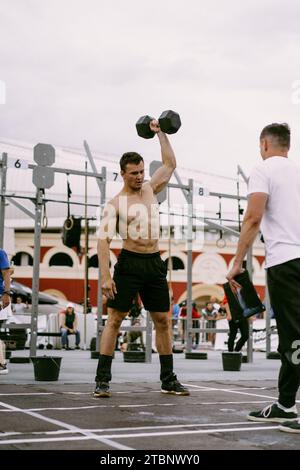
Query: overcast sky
point(87, 69)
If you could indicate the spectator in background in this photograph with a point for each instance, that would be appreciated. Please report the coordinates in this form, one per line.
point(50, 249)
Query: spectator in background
point(196, 324)
point(5, 300)
point(182, 318)
point(19, 306)
point(175, 311)
point(174, 316)
point(69, 326)
point(195, 321)
point(210, 314)
point(215, 302)
point(241, 325)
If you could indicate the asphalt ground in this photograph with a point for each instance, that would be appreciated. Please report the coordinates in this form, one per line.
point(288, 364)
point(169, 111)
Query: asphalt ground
point(64, 415)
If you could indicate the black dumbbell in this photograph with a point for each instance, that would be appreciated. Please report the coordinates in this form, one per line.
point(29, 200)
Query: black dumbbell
point(169, 122)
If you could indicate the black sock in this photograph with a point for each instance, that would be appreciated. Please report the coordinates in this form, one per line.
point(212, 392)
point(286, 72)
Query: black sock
point(166, 368)
point(103, 373)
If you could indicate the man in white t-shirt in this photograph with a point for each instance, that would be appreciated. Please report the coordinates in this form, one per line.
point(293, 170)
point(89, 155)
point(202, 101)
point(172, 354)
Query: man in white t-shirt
point(273, 205)
point(19, 307)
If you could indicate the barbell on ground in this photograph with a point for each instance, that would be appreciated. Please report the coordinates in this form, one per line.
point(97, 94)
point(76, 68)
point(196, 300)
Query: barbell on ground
point(169, 122)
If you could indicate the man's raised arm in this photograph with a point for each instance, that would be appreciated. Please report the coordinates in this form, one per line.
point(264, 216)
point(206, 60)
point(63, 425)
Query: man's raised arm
point(163, 174)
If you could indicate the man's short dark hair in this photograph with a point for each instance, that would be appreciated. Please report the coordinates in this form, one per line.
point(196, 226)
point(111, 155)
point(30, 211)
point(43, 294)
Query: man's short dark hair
point(130, 157)
point(281, 133)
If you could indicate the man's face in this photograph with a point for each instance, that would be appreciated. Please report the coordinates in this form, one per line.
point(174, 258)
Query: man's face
point(69, 310)
point(134, 175)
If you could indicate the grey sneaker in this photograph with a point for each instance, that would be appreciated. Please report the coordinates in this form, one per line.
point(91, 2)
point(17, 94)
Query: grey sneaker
point(102, 390)
point(290, 426)
point(3, 369)
point(273, 414)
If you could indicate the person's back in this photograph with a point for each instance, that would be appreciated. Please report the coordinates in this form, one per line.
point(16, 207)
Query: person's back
point(273, 202)
point(279, 177)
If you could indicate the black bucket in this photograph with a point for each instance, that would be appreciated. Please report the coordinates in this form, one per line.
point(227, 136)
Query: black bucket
point(232, 360)
point(134, 356)
point(46, 367)
point(196, 355)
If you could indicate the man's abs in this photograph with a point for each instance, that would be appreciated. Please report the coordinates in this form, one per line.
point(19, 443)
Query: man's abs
point(141, 245)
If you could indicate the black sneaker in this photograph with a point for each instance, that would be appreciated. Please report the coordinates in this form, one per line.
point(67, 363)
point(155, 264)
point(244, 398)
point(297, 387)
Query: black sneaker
point(290, 426)
point(3, 369)
point(102, 390)
point(272, 413)
point(174, 388)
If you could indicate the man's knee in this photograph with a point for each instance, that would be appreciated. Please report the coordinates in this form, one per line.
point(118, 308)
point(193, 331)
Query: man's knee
point(162, 322)
point(115, 320)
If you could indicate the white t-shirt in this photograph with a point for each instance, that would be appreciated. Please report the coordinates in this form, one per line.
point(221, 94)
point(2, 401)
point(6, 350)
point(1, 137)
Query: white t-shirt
point(19, 309)
point(279, 177)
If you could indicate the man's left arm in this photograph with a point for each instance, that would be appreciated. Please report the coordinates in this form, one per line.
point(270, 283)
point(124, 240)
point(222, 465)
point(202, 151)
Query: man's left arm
point(163, 174)
point(250, 228)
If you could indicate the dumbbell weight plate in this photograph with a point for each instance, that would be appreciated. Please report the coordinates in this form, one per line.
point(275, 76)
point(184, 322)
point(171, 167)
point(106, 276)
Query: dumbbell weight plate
point(143, 127)
point(169, 122)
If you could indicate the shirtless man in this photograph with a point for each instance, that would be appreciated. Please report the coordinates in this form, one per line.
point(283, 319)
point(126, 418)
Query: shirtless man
point(133, 213)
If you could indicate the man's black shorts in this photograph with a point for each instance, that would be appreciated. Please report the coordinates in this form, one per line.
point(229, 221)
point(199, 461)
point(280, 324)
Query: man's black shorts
point(143, 273)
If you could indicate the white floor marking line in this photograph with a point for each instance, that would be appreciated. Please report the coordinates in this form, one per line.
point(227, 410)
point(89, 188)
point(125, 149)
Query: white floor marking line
point(214, 389)
point(229, 389)
point(233, 391)
point(201, 389)
point(47, 439)
point(145, 405)
point(61, 424)
point(232, 402)
point(126, 392)
point(107, 437)
point(156, 391)
point(163, 426)
point(183, 433)
point(25, 394)
point(137, 428)
point(59, 408)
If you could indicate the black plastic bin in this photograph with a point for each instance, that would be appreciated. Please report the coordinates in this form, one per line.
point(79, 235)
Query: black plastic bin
point(232, 361)
point(46, 368)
